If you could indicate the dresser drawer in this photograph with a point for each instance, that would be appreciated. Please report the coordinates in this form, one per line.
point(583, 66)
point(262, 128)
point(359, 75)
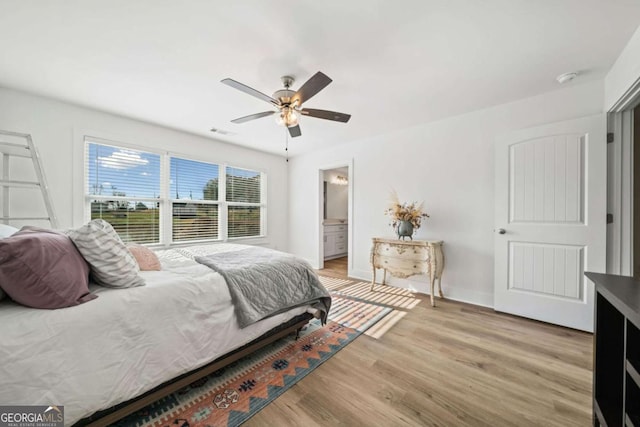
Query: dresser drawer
point(405, 252)
point(335, 228)
point(401, 267)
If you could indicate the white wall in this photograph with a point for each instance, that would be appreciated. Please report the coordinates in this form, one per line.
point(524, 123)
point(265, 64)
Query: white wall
point(58, 129)
point(337, 195)
point(624, 73)
point(449, 166)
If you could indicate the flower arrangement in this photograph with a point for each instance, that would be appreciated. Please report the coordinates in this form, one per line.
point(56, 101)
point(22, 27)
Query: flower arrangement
point(411, 212)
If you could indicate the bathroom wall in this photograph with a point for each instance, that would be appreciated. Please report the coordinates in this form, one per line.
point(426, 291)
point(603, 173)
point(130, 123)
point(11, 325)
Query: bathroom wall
point(337, 195)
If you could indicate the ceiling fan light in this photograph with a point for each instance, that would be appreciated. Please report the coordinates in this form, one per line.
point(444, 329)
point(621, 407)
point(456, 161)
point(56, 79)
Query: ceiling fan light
point(288, 117)
point(292, 119)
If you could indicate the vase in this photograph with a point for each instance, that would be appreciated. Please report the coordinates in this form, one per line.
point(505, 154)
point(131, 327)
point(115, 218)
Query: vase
point(405, 229)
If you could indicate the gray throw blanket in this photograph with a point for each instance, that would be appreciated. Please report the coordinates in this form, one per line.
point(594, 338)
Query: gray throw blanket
point(264, 282)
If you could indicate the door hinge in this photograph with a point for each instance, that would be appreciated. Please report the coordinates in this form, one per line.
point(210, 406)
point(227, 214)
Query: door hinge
point(609, 218)
point(609, 137)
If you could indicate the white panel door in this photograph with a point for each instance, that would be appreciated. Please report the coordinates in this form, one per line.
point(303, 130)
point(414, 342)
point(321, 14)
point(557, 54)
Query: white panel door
point(551, 220)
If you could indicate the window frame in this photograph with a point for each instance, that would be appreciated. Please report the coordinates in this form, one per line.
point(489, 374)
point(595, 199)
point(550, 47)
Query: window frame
point(172, 200)
point(166, 202)
point(87, 198)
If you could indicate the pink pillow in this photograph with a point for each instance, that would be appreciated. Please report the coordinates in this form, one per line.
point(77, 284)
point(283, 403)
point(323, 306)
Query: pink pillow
point(43, 269)
point(146, 258)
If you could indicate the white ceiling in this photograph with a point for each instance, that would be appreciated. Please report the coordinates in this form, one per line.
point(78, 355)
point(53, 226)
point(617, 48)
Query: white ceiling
point(393, 63)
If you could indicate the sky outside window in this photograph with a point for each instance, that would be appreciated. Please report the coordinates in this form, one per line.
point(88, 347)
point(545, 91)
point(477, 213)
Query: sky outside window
point(122, 172)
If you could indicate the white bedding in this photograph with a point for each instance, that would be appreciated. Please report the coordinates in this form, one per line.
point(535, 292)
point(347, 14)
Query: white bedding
point(125, 342)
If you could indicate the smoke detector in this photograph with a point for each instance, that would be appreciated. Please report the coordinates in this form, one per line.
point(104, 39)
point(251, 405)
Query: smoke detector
point(566, 77)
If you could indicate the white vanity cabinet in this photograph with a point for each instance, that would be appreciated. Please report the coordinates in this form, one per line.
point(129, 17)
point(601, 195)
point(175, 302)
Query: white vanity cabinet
point(335, 240)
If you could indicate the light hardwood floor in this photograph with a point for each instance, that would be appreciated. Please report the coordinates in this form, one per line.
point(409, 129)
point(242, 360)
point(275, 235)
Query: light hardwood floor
point(335, 268)
point(452, 365)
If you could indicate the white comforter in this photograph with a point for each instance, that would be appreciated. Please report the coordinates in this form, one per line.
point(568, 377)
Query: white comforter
point(125, 342)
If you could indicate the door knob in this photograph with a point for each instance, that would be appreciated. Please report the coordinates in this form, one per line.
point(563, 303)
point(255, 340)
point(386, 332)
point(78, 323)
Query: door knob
point(501, 231)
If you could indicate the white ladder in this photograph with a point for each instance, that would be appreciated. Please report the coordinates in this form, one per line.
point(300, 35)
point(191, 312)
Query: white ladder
point(24, 150)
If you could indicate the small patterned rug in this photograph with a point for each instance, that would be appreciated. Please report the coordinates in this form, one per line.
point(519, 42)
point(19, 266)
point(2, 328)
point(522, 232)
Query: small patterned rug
point(232, 395)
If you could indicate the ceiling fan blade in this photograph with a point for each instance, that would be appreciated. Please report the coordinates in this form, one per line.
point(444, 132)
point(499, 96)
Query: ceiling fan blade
point(295, 131)
point(252, 117)
point(311, 87)
point(327, 115)
point(251, 91)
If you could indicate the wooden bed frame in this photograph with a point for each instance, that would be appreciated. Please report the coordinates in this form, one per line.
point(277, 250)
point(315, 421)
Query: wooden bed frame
point(109, 416)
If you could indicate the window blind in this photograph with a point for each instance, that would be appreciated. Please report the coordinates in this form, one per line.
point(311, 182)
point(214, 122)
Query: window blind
point(244, 221)
point(194, 180)
point(194, 221)
point(123, 188)
point(243, 185)
point(243, 190)
point(194, 190)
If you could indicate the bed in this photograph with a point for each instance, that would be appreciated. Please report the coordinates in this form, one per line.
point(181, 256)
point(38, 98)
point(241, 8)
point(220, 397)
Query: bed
point(130, 342)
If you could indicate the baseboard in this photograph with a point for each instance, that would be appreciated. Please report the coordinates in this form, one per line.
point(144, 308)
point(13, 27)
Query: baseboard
point(420, 284)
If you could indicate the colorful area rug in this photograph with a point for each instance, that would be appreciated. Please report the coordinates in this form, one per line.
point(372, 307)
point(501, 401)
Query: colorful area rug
point(232, 395)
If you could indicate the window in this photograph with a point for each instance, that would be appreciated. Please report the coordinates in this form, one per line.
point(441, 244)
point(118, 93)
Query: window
point(243, 198)
point(143, 194)
point(123, 188)
point(194, 193)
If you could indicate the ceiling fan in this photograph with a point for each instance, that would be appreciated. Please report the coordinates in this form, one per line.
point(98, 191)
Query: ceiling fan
point(288, 104)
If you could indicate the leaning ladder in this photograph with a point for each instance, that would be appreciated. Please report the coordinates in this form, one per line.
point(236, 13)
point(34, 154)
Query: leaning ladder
point(25, 150)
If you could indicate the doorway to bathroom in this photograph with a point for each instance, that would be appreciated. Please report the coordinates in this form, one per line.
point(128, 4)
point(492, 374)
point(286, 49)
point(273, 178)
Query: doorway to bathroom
point(335, 227)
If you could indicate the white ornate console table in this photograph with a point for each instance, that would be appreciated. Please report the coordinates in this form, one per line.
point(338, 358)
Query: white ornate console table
point(407, 258)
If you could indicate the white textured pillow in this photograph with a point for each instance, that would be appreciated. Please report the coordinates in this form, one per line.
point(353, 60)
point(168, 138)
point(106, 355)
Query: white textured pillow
point(112, 265)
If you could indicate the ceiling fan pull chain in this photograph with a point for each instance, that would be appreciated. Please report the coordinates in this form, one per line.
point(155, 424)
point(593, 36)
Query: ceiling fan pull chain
point(286, 143)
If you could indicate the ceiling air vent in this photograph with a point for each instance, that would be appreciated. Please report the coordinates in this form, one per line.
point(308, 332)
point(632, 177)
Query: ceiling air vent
point(221, 131)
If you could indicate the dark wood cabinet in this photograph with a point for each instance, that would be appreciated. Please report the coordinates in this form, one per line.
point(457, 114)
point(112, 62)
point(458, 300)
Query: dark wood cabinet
point(616, 368)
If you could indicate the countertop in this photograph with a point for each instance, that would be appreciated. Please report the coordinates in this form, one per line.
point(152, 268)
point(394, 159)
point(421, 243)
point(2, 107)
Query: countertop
point(335, 222)
point(621, 291)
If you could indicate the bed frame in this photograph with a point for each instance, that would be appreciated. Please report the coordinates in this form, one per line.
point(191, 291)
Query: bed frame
point(109, 416)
